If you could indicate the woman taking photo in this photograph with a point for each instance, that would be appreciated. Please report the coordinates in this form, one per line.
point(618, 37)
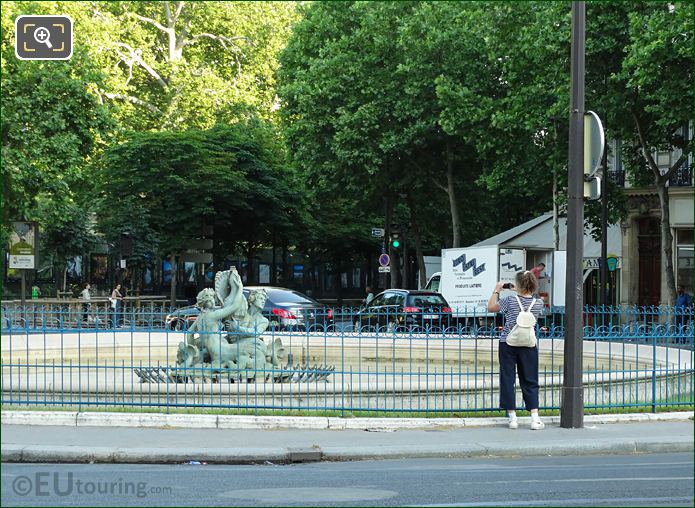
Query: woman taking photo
point(515, 358)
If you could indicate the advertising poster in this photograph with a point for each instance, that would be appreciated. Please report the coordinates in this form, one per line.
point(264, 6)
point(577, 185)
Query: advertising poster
point(468, 277)
point(189, 269)
point(512, 261)
point(23, 245)
point(263, 273)
point(98, 265)
point(166, 271)
point(74, 269)
point(298, 273)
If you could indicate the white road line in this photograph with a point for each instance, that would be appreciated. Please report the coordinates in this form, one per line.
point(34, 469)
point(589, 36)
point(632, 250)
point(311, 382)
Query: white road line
point(473, 468)
point(632, 501)
point(581, 480)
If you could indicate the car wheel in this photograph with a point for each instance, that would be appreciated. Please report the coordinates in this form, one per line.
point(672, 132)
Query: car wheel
point(177, 325)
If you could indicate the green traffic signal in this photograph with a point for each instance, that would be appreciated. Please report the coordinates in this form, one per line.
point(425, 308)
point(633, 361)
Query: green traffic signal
point(395, 244)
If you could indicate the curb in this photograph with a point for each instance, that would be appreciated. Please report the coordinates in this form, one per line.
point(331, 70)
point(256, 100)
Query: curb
point(107, 455)
point(193, 421)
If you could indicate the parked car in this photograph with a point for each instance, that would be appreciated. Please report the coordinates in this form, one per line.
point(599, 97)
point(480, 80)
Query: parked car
point(181, 319)
point(405, 310)
point(286, 309)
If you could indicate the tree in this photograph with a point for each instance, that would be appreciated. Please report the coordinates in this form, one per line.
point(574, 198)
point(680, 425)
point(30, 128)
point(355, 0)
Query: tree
point(66, 231)
point(178, 64)
point(655, 78)
point(639, 67)
point(163, 188)
point(359, 83)
point(137, 66)
point(338, 93)
point(52, 127)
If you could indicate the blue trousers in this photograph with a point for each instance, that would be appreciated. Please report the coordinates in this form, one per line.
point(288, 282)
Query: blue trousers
point(525, 361)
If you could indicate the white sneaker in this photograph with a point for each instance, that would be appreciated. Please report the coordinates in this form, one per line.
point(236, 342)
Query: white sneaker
point(537, 425)
point(513, 423)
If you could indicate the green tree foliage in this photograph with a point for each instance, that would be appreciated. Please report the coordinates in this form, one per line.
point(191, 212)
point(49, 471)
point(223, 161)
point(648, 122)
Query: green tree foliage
point(137, 67)
point(655, 78)
point(52, 127)
point(174, 65)
point(395, 99)
point(164, 187)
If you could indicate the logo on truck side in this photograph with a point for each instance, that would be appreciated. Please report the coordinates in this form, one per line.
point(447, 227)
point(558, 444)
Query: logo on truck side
point(461, 260)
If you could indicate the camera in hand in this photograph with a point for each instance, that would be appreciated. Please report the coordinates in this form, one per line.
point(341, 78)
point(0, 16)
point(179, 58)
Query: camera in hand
point(508, 285)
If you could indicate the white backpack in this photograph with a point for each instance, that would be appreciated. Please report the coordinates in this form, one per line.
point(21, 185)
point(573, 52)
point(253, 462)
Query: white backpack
point(523, 334)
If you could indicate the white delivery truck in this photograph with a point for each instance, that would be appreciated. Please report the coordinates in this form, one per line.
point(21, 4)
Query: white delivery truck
point(469, 275)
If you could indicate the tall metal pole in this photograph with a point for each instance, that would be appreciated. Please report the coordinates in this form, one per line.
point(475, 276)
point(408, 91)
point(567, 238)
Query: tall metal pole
point(406, 262)
point(23, 274)
point(604, 234)
point(572, 409)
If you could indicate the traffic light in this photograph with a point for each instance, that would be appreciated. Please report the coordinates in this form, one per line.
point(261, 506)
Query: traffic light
point(395, 239)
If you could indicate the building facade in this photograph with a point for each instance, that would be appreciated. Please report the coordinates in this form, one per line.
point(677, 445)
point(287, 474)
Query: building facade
point(643, 279)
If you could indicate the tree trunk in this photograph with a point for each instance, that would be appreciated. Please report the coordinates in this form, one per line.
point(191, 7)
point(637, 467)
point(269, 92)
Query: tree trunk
point(556, 211)
point(393, 275)
point(285, 276)
point(174, 271)
point(556, 216)
point(250, 280)
point(456, 242)
point(173, 53)
point(418, 241)
point(667, 243)
point(273, 266)
point(338, 263)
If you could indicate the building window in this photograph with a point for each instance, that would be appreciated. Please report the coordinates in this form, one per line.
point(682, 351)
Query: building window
point(684, 255)
point(664, 160)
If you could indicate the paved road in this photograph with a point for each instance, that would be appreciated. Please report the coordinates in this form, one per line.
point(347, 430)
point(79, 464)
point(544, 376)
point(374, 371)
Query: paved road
point(618, 480)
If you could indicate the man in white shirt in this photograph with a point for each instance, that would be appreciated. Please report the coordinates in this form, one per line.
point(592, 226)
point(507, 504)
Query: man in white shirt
point(86, 301)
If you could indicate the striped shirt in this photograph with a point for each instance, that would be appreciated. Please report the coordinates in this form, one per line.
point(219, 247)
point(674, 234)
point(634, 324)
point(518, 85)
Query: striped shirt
point(511, 310)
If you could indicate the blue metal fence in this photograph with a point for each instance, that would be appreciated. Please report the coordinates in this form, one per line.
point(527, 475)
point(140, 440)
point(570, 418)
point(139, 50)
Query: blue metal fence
point(344, 360)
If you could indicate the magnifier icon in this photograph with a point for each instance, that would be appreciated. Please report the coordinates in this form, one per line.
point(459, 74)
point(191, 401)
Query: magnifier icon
point(43, 36)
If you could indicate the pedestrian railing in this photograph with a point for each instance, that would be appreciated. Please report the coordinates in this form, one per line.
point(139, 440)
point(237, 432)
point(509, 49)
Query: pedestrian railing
point(345, 360)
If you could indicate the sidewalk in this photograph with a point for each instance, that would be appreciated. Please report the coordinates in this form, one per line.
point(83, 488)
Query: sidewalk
point(271, 441)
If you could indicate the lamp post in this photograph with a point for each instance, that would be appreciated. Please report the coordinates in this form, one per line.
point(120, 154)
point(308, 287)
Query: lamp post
point(572, 408)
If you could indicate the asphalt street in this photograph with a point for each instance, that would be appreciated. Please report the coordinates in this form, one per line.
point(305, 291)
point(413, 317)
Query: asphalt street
point(615, 480)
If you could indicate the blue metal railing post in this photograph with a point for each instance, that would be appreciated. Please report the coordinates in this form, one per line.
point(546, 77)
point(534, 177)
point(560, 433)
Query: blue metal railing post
point(653, 372)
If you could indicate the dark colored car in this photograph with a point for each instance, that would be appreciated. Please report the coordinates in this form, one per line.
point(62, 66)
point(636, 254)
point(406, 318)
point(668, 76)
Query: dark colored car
point(405, 310)
point(285, 308)
point(288, 309)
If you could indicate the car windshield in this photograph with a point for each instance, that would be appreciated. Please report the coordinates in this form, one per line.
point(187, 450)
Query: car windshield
point(283, 296)
point(425, 300)
point(289, 296)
